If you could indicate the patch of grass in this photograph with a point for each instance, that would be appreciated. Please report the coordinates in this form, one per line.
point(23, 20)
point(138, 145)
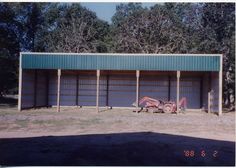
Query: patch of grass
point(6, 111)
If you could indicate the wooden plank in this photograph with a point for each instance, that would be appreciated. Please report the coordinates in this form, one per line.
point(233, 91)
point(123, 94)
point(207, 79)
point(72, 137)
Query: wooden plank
point(58, 89)
point(137, 89)
point(97, 95)
point(177, 96)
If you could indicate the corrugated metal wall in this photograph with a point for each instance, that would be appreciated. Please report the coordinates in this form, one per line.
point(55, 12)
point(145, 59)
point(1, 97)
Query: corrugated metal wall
point(205, 90)
point(189, 88)
point(154, 86)
point(215, 88)
point(122, 90)
point(87, 90)
point(32, 96)
point(27, 94)
point(52, 97)
point(68, 90)
point(41, 89)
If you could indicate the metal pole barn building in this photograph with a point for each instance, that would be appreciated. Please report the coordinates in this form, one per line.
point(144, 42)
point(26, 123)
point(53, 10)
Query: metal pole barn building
point(117, 80)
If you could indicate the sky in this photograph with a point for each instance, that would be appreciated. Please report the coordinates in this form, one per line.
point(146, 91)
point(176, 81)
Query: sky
point(105, 10)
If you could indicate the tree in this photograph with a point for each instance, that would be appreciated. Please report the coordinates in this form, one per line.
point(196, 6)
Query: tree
point(75, 30)
point(19, 26)
point(9, 48)
point(218, 21)
point(147, 31)
point(31, 17)
point(123, 11)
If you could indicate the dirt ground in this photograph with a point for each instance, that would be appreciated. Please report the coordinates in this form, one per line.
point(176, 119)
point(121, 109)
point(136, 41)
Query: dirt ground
point(80, 136)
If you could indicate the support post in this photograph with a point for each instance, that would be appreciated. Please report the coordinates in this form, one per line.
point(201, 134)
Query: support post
point(77, 90)
point(220, 84)
point(137, 89)
point(177, 96)
point(209, 93)
point(20, 86)
point(58, 89)
point(209, 102)
point(97, 95)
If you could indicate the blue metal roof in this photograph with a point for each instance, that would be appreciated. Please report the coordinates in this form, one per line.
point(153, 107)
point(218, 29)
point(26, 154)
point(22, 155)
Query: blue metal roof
point(162, 62)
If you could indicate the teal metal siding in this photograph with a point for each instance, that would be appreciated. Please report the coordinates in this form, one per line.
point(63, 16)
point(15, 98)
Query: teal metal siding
point(118, 62)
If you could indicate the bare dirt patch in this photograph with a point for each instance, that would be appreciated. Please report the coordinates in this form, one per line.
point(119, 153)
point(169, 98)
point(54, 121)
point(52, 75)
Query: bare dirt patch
point(114, 137)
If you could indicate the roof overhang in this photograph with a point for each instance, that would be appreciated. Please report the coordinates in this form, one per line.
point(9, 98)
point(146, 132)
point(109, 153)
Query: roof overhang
point(112, 61)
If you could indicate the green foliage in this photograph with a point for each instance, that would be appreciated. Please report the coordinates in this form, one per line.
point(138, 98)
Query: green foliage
point(219, 24)
point(75, 29)
point(164, 28)
point(148, 31)
point(9, 48)
point(123, 11)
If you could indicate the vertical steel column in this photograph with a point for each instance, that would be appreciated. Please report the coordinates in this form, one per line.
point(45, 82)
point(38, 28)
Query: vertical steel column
point(58, 89)
point(97, 95)
point(177, 96)
point(137, 89)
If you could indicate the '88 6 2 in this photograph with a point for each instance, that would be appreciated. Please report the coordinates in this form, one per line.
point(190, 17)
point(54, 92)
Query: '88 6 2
point(201, 153)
